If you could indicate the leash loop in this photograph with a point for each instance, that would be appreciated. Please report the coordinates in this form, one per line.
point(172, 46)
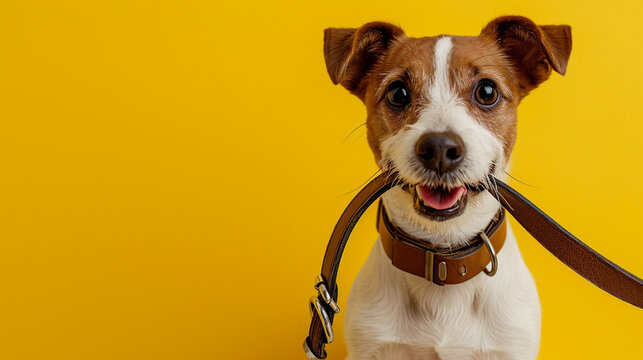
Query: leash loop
point(320, 331)
point(310, 353)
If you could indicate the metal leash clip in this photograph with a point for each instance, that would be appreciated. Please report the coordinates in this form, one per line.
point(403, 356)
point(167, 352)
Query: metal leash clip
point(320, 286)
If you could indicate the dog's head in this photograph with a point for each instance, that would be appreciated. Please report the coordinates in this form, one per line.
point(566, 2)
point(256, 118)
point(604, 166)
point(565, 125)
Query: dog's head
point(442, 110)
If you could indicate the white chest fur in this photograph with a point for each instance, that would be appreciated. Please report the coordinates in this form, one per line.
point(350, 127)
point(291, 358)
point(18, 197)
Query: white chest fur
point(395, 315)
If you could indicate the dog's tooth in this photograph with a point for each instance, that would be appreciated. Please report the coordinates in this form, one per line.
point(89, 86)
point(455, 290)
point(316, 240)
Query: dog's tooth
point(464, 192)
point(460, 194)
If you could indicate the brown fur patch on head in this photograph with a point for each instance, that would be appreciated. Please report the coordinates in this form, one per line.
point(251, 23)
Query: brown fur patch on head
point(477, 58)
point(511, 51)
point(532, 50)
point(411, 61)
point(351, 53)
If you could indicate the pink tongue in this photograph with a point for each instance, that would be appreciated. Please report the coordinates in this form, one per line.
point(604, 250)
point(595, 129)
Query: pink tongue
point(439, 199)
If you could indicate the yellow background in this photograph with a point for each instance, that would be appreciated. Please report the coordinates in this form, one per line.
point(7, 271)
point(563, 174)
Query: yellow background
point(170, 172)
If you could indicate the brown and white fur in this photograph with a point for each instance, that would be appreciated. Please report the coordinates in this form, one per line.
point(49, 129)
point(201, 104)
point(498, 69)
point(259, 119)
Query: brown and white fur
point(395, 315)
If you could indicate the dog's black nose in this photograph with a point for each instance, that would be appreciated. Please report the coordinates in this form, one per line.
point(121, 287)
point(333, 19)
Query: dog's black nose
point(440, 152)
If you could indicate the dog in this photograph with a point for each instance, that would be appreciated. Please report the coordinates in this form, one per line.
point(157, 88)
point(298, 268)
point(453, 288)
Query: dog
point(441, 114)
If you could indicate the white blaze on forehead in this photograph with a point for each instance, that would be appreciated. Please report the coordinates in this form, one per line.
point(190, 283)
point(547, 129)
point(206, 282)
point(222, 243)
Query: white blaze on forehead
point(440, 90)
point(445, 112)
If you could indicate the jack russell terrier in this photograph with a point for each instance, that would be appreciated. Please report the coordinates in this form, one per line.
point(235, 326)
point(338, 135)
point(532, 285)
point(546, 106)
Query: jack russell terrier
point(442, 115)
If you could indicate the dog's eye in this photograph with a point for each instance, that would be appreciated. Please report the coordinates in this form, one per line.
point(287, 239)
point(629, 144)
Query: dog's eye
point(397, 95)
point(486, 93)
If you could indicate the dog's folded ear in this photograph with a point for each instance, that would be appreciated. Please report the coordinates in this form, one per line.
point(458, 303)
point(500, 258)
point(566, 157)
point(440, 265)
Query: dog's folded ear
point(533, 50)
point(351, 53)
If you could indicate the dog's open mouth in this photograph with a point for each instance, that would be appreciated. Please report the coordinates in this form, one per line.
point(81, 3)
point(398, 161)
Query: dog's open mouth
point(439, 198)
point(440, 203)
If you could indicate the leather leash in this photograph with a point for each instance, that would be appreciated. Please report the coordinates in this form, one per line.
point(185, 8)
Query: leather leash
point(571, 251)
point(579, 257)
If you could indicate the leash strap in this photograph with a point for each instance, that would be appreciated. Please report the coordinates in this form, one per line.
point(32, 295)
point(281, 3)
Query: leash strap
point(570, 250)
point(567, 248)
point(323, 306)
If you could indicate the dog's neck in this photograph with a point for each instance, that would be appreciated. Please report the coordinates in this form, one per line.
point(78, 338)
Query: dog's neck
point(452, 233)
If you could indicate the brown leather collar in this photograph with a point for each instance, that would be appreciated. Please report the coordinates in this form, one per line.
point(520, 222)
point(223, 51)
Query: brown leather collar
point(442, 265)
